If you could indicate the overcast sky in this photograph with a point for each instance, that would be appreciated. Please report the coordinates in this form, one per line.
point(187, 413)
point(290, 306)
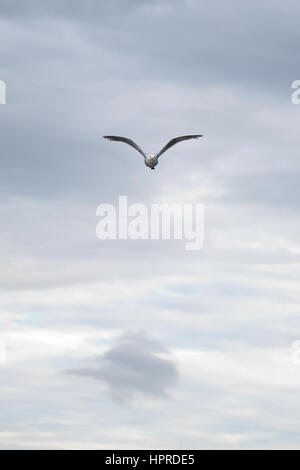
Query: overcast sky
point(141, 344)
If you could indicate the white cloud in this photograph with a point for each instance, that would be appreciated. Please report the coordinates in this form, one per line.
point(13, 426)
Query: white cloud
point(228, 314)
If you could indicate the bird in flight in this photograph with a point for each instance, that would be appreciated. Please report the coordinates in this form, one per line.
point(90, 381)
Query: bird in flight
point(152, 160)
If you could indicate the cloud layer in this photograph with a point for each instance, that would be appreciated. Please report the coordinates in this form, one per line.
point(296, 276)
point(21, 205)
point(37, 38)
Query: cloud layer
point(224, 319)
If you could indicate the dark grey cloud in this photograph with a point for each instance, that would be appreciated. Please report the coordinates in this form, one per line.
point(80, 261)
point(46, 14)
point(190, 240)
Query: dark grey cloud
point(133, 366)
point(109, 67)
point(197, 42)
point(91, 9)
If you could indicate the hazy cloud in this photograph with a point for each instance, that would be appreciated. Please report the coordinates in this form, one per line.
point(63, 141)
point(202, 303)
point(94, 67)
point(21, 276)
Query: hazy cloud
point(133, 366)
point(151, 70)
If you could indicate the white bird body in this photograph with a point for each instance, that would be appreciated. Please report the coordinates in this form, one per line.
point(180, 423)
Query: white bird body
point(151, 160)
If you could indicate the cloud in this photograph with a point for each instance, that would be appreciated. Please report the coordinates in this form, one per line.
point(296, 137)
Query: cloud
point(186, 41)
point(132, 367)
point(150, 70)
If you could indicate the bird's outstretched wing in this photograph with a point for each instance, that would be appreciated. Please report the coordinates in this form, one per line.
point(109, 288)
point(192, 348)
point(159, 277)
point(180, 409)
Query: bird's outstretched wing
point(175, 141)
point(126, 141)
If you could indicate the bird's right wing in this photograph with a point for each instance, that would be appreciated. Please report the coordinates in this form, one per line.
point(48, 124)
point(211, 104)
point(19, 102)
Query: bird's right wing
point(175, 141)
point(126, 141)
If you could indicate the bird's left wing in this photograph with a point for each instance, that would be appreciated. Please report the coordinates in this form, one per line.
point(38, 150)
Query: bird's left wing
point(175, 141)
point(126, 141)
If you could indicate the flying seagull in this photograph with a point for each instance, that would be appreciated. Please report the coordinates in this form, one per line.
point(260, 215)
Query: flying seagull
point(152, 160)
